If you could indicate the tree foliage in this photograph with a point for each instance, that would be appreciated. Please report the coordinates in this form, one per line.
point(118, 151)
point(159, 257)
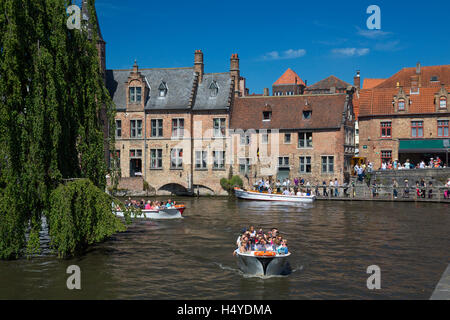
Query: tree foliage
point(229, 184)
point(51, 96)
point(80, 215)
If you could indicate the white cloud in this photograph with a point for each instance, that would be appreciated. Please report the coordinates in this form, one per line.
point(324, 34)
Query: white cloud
point(288, 54)
point(373, 34)
point(351, 52)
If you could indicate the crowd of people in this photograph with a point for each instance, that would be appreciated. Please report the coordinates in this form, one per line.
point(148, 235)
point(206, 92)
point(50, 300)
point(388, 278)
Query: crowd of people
point(251, 240)
point(433, 163)
point(149, 205)
point(301, 187)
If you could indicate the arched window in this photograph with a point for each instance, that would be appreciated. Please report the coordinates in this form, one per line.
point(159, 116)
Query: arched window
point(213, 89)
point(443, 103)
point(162, 90)
point(401, 105)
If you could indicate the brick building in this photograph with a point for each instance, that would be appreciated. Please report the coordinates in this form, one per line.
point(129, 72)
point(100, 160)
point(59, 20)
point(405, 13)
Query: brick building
point(289, 84)
point(309, 136)
point(171, 124)
point(405, 116)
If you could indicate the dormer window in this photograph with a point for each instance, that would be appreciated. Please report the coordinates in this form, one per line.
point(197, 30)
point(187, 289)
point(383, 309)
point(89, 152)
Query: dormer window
point(267, 115)
point(162, 90)
point(213, 89)
point(135, 94)
point(443, 103)
point(307, 115)
point(434, 79)
point(401, 105)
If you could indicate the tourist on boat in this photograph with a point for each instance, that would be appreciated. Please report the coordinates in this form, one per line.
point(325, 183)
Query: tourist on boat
point(148, 206)
point(286, 192)
point(283, 249)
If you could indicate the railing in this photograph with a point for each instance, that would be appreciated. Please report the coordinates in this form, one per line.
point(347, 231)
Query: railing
point(378, 192)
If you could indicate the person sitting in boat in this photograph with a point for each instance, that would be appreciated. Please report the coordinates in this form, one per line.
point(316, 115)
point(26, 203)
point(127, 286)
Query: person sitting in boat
point(252, 231)
point(283, 249)
point(148, 206)
point(286, 192)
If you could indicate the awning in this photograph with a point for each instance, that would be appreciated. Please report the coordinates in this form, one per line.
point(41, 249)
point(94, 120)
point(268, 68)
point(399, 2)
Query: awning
point(424, 145)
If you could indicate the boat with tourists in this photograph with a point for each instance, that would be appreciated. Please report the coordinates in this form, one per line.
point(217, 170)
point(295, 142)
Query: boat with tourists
point(153, 209)
point(163, 214)
point(257, 263)
point(261, 254)
point(265, 196)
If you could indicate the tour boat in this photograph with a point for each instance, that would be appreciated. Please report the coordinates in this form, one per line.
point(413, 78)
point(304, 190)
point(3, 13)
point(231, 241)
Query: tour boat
point(264, 263)
point(163, 214)
point(264, 196)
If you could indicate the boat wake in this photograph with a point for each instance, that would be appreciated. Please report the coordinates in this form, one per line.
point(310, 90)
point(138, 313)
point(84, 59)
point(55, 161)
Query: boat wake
point(249, 276)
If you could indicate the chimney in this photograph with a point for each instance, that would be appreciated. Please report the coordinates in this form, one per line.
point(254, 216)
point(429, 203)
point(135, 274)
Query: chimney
point(198, 64)
point(418, 68)
point(266, 92)
point(357, 80)
point(235, 73)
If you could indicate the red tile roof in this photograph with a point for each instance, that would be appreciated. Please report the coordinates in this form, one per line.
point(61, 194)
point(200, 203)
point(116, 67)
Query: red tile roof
point(289, 77)
point(378, 100)
point(327, 83)
point(287, 112)
point(371, 83)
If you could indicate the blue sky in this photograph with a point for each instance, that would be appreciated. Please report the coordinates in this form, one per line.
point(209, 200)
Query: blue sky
point(314, 38)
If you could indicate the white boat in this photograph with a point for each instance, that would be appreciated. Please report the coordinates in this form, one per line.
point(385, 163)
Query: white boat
point(261, 196)
point(274, 265)
point(162, 214)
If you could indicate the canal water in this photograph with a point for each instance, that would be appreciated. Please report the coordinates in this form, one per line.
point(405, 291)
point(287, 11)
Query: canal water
point(332, 245)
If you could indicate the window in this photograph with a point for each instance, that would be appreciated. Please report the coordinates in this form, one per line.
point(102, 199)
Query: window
point(267, 115)
point(176, 158)
point(443, 103)
point(157, 127)
point(245, 139)
point(264, 138)
point(417, 129)
point(201, 159)
point(443, 128)
point(156, 159)
point(244, 166)
point(118, 128)
point(287, 138)
point(114, 162)
point(386, 129)
point(177, 128)
point(135, 153)
point(162, 90)
point(218, 159)
point(305, 165)
point(305, 140)
point(213, 89)
point(136, 129)
point(135, 94)
point(307, 115)
point(401, 105)
point(283, 162)
point(386, 156)
point(328, 164)
point(219, 127)
point(434, 79)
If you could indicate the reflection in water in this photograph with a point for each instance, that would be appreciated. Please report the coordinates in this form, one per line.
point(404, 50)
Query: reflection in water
point(332, 243)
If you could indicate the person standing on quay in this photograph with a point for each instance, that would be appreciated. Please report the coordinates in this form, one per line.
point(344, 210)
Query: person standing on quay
point(336, 188)
point(395, 186)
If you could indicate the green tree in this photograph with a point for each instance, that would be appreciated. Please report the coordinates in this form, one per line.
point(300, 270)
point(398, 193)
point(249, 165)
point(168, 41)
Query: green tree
point(51, 97)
